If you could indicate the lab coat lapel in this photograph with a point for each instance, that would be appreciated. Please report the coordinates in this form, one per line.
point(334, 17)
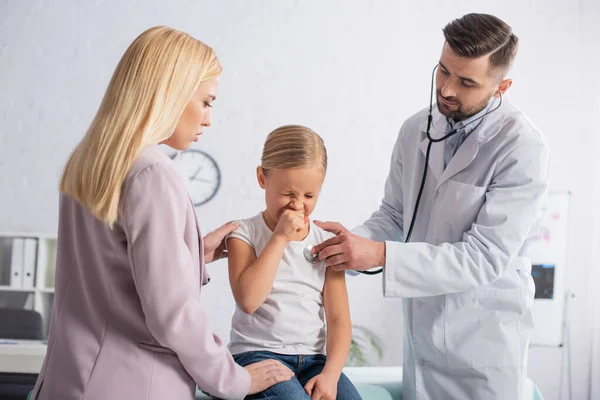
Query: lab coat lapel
point(467, 152)
point(462, 159)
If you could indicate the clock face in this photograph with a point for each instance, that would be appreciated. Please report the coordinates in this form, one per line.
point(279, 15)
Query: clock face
point(200, 173)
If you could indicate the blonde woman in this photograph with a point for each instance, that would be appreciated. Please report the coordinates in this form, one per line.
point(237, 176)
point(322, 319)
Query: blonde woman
point(127, 321)
point(287, 308)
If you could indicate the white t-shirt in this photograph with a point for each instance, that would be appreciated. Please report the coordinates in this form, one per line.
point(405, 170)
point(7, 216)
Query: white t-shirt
point(292, 318)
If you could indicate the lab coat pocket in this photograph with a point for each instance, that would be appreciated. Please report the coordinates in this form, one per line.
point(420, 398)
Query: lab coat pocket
point(459, 205)
point(482, 328)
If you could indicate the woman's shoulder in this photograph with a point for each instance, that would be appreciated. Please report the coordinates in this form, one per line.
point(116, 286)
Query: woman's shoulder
point(153, 158)
point(154, 173)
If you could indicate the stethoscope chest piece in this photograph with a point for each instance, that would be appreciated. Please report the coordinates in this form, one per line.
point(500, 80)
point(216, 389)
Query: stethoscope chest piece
point(310, 257)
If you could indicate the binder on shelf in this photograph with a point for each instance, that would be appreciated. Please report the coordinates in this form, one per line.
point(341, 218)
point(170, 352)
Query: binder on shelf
point(29, 260)
point(16, 263)
point(5, 260)
point(50, 268)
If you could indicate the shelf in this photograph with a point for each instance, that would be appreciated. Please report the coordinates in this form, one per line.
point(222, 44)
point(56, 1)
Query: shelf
point(42, 236)
point(41, 296)
point(12, 289)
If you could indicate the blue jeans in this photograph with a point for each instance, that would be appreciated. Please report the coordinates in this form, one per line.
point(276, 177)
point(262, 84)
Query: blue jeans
point(304, 367)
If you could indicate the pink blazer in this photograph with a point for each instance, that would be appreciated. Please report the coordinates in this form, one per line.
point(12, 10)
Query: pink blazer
point(127, 320)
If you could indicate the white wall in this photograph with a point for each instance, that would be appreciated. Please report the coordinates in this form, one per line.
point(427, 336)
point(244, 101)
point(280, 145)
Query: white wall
point(353, 71)
point(591, 35)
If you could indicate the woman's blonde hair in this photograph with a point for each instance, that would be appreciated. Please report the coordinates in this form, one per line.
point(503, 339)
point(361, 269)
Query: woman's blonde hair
point(151, 86)
point(294, 146)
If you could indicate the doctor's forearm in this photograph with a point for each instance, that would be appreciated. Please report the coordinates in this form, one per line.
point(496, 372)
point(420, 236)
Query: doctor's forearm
point(381, 226)
point(422, 269)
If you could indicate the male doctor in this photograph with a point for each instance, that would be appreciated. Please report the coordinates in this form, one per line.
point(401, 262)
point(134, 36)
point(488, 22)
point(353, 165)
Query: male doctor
point(465, 275)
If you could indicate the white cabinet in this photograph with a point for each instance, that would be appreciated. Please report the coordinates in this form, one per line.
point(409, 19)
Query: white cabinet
point(27, 267)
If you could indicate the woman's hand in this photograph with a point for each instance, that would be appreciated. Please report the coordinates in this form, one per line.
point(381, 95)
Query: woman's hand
point(266, 373)
point(214, 242)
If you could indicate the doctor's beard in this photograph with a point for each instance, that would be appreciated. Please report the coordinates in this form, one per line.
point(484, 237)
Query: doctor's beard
point(458, 112)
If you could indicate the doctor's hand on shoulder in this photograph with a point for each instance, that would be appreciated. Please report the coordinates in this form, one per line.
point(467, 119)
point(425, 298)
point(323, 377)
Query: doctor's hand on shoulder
point(347, 250)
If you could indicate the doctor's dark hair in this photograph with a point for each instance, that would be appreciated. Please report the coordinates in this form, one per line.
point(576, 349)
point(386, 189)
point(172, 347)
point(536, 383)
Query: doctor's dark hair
point(477, 35)
point(293, 146)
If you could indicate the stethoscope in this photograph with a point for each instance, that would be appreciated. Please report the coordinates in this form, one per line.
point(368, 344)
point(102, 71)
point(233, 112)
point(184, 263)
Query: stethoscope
point(312, 258)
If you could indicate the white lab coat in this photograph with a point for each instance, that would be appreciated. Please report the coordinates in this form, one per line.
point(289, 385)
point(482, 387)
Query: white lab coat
point(465, 277)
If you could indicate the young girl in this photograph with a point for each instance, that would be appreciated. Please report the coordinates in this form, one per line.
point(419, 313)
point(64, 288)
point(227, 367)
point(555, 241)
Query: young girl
point(282, 299)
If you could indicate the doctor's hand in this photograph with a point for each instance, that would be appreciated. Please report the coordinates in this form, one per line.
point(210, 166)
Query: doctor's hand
point(214, 242)
point(266, 373)
point(322, 387)
point(334, 227)
point(350, 251)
